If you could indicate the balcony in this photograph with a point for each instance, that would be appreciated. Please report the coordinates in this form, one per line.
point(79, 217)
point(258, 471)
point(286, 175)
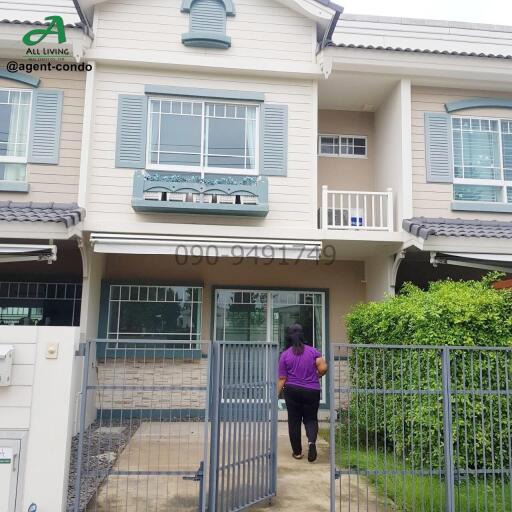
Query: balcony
point(359, 211)
point(190, 193)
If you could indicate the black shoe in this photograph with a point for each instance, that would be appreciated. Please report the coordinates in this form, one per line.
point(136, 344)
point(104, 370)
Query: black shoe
point(312, 452)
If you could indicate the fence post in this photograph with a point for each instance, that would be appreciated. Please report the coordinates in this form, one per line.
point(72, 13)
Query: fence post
point(448, 433)
point(332, 430)
point(215, 384)
point(83, 410)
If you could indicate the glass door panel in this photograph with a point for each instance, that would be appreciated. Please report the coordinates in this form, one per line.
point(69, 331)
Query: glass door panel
point(241, 316)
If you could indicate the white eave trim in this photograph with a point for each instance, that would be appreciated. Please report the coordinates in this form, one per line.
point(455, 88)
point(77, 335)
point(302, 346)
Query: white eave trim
point(114, 243)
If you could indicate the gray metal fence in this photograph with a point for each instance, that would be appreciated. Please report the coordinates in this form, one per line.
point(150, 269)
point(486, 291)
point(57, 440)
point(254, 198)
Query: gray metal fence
point(143, 435)
point(421, 428)
point(175, 426)
point(243, 467)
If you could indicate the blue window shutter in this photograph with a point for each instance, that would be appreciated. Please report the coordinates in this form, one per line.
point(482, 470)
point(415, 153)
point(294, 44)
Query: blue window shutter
point(132, 115)
point(208, 16)
point(438, 147)
point(45, 126)
point(273, 140)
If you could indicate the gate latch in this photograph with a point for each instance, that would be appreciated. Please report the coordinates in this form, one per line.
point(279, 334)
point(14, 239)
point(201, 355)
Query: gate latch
point(337, 474)
point(198, 477)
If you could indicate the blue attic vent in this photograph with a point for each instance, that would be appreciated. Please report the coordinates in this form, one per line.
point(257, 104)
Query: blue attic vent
point(207, 23)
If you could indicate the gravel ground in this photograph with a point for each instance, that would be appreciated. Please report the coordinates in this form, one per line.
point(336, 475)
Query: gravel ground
point(102, 445)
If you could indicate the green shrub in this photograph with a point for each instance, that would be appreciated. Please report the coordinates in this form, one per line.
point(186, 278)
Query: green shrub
point(457, 314)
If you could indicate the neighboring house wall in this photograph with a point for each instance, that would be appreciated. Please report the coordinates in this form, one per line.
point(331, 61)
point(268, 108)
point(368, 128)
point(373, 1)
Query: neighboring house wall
point(264, 34)
point(49, 182)
point(291, 198)
point(434, 199)
point(42, 402)
point(343, 280)
point(340, 173)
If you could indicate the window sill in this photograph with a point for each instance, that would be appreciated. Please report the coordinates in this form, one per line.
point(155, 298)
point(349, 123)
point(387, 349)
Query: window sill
point(206, 40)
point(474, 206)
point(14, 186)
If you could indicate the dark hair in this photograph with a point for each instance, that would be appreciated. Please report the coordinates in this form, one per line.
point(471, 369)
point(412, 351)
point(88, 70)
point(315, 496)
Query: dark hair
point(295, 338)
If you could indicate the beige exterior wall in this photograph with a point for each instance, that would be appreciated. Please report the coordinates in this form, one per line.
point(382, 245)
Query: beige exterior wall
point(58, 183)
point(291, 198)
point(434, 199)
point(346, 173)
point(264, 35)
point(342, 279)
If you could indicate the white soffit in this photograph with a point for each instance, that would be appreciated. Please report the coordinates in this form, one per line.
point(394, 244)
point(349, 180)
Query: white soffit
point(113, 243)
point(13, 253)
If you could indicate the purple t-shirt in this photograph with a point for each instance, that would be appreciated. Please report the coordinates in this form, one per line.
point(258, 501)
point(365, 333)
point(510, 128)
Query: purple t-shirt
point(300, 370)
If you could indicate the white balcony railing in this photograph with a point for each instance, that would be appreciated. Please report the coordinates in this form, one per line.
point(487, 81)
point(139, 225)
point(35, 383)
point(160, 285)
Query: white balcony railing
point(362, 211)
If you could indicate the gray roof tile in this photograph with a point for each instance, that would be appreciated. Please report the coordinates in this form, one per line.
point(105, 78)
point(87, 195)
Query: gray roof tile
point(424, 227)
point(66, 213)
point(28, 22)
point(419, 50)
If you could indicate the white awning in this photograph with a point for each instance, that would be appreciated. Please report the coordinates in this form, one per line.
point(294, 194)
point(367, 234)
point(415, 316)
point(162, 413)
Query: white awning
point(485, 261)
point(211, 247)
point(12, 253)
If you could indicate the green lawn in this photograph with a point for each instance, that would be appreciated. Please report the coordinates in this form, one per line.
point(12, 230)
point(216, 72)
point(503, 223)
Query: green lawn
point(416, 493)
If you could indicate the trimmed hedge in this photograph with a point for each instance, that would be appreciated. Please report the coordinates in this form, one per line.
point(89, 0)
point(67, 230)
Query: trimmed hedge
point(465, 313)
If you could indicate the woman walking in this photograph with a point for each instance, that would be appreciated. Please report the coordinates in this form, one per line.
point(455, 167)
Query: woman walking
point(300, 369)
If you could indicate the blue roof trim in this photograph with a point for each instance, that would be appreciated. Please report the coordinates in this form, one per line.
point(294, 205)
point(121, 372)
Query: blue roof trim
point(206, 40)
point(228, 5)
point(199, 92)
point(454, 106)
point(20, 77)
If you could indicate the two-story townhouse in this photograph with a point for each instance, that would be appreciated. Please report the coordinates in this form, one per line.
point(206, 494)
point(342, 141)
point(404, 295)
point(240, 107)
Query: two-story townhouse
point(246, 165)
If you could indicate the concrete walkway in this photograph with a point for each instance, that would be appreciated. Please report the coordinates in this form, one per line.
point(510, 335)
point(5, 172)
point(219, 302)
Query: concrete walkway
point(305, 487)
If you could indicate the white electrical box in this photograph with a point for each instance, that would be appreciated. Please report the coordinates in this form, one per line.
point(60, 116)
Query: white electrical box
point(6, 356)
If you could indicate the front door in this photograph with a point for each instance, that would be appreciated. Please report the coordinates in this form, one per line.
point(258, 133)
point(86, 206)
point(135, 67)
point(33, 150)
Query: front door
point(263, 315)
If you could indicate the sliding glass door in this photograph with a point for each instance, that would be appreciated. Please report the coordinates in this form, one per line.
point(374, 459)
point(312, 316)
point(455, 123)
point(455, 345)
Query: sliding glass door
point(263, 315)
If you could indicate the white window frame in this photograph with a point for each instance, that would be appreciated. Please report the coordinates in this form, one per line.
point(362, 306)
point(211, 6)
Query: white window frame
point(339, 154)
point(202, 168)
point(19, 159)
point(501, 183)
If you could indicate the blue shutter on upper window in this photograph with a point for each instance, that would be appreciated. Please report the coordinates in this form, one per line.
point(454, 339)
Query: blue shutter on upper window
point(273, 139)
point(45, 126)
point(207, 24)
point(438, 147)
point(132, 115)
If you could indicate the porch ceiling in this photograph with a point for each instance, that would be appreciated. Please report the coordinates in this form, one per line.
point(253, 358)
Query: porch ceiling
point(354, 91)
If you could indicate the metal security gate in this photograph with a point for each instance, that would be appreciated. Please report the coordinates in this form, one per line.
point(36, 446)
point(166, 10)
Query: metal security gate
point(243, 458)
point(421, 428)
point(175, 426)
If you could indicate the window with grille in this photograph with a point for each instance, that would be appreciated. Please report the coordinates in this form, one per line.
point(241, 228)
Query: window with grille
point(482, 154)
point(200, 135)
point(15, 105)
point(344, 146)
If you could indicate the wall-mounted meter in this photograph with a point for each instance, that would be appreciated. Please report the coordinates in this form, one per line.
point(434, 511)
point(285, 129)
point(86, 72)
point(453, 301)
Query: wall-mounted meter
point(6, 356)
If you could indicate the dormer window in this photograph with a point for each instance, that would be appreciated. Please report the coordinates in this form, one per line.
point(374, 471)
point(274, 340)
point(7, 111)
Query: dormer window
point(207, 27)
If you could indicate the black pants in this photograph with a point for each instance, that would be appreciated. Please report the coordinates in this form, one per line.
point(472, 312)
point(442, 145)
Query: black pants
point(302, 405)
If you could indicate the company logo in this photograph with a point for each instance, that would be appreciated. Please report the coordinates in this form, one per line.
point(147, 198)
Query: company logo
point(56, 27)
